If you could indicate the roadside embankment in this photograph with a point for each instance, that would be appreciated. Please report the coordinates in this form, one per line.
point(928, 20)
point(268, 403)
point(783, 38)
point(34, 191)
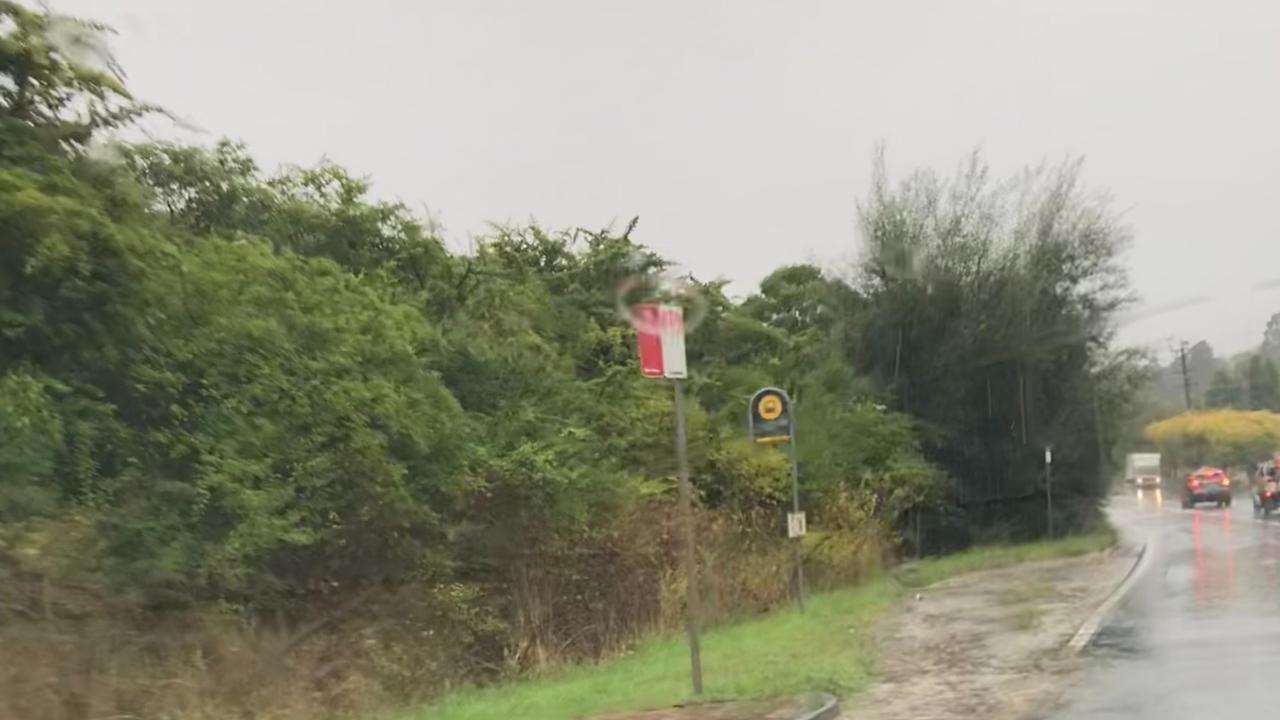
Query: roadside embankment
point(831, 647)
point(991, 644)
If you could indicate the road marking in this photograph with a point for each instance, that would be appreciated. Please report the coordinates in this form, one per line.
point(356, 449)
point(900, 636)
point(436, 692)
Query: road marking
point(1090, 627)
point(824, 707)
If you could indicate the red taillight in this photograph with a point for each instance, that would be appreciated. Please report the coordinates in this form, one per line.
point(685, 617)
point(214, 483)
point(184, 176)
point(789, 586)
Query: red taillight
point(1194, 484)
point(1226, 480)
point(1266, 493)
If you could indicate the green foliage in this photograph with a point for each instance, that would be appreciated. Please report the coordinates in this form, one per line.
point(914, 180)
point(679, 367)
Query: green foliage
point(1263, 383)
point(853, 446)
point(987, 314)
point(297, 417)
point(60, 77)
point(992, 557)
point(31, 438)
point(1226, 391)
point(783, 654)
point(318, 212)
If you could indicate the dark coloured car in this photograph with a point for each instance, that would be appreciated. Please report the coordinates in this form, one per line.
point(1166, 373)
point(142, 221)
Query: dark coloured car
point(1207, 484)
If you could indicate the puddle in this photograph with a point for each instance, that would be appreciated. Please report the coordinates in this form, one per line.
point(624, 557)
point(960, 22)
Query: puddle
point(1116, 640)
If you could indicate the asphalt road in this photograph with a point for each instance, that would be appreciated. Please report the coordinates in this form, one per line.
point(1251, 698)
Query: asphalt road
point(1199, 633)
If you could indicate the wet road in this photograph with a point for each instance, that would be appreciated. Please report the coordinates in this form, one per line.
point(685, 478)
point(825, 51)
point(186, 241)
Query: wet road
point(1199, 634)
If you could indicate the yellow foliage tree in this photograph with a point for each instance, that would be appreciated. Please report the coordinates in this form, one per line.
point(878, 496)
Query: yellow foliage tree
point(1216, 437)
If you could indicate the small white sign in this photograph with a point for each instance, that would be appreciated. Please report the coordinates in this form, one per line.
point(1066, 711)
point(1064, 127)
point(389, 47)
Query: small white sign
point(672, 333)
point(795, 525)
point(1048, 456)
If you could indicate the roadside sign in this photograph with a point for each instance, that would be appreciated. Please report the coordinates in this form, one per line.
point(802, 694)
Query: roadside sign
point(770, 407)
point(769, 416)
point(795, 525)
point(1048, 456)
point(648, 343)
point(660, 340)
point(769, 421)
point(671, 329)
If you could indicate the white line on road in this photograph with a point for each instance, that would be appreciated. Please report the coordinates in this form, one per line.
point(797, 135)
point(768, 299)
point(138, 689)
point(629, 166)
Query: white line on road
point(1090, 627)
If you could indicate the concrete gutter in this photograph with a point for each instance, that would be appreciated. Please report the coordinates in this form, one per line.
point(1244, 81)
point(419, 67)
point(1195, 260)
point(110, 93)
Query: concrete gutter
point(1090, 628)
point(819, 706)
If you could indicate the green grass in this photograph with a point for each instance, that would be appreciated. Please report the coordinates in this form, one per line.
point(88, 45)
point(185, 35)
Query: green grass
point(783, 653)
point(990, 557)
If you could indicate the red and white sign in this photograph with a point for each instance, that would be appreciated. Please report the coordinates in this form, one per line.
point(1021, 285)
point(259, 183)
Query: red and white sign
point(660, 339)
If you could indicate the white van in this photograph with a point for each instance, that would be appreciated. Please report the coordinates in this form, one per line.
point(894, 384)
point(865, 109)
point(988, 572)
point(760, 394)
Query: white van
point(1143, 469)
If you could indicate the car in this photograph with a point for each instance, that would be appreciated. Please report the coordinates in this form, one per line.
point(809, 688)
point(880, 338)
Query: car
point(1208, 484)
point(1266, 491)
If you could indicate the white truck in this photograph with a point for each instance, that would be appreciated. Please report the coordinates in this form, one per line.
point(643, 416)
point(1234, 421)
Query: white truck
point(1142, 469)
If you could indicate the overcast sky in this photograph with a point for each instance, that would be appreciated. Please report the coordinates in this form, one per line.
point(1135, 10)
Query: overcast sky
point(741, 132)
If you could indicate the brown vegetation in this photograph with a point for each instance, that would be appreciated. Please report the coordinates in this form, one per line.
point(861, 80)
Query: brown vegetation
point(72, 653)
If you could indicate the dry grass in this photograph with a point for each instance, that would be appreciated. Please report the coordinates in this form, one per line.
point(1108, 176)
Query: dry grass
point(193, 667)
point(1027, 592)
point(68, 654)
point(1026, 617)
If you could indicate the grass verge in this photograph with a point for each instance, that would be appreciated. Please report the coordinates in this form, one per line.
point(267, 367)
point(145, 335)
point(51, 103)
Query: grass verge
point(991, 557)
point(783, 653)
point(786, 652)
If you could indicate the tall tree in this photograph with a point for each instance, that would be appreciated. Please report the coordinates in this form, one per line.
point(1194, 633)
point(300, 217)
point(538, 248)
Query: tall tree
point(989, 311)
point(1263, 383)
point(1271, 336)
point(1226, 391)
point(61, 80)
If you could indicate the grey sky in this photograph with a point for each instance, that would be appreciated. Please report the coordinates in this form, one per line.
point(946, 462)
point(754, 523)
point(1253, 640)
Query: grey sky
point(741, 132)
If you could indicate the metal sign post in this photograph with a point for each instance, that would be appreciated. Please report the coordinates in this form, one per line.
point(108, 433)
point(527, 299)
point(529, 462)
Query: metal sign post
point(1048, 486)
point(660, 339)
point(799, 530)
point(692, 598)
point(769, 420)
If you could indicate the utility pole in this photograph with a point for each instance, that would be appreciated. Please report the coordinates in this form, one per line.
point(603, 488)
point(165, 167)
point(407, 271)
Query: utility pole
point(1186, 377)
